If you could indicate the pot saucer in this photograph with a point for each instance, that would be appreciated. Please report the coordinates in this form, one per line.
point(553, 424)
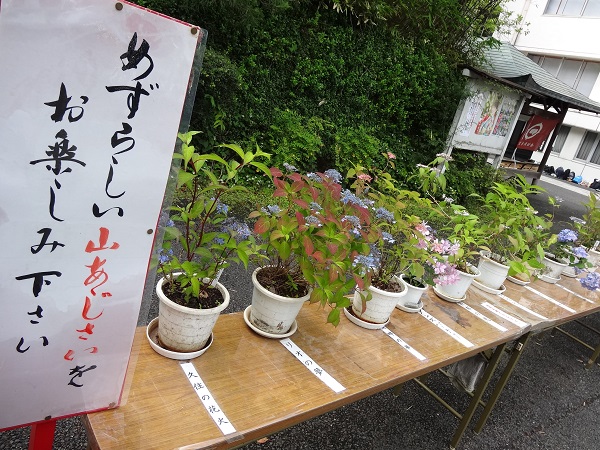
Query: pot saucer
point(362, 323)
point(569, 274)
point(152, 336)
point(409, 309)
point(257, 330)
point(447, 297)
point(517, 281)
point(549, 279)
point(488, 289)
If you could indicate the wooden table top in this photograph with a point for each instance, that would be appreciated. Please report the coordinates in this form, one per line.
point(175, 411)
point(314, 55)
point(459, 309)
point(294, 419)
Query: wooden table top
point(262, 388)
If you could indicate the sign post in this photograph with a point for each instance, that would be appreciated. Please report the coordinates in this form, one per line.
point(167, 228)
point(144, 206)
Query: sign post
point(92, 97)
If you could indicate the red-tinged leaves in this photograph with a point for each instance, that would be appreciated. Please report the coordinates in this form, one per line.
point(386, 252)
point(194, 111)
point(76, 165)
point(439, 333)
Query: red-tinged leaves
point(261, 226)
point(333, 274)
point(301, 203)
point(333, 248)
point(336, 191)
point(300, 219)
point(295, 176)
point(275, 172)
point(314, 193)
point(279, 193)
point(359, 282)
point(297, 186)
point(309, 247)
point(279, 184)
point(319, 257)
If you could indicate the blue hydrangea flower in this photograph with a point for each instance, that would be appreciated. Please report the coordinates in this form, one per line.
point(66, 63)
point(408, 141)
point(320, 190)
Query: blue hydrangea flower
point(165, 257)
point(313, 220)
point(369, 262)
point(315, 206)
point(383, 214)
point(387, 237)
point(219, 240)
point(222, 208)
point(314, 177)
point(170, 223)
point(567, 235)
point(239, 229)
point(349, 197)
point(580, 252)
point(289, 167)
point(353, 220)
point(271, 209)
point(334, 175)
point(591, 281)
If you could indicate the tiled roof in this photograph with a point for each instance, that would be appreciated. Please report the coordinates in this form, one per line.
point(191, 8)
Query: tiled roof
point(508, 63)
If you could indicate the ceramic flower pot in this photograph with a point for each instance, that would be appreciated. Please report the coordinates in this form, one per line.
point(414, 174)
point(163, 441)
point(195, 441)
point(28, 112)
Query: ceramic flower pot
point(380, 307)
point(553, 268)
point(594, 259)
point(492, 273)
point(184, 329)
point(459, 289)
point(272, 313)
point(413, 294)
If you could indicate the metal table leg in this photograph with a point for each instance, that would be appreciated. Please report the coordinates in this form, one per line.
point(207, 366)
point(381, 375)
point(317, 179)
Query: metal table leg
point(514, 358)
point(477, 395)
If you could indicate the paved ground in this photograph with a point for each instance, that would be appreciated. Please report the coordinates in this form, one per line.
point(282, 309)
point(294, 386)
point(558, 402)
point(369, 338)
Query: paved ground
point(551, 402)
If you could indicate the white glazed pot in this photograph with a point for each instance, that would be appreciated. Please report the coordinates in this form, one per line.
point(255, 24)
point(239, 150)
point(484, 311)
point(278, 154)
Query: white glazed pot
point(459, 289)
point(413, 294)
point(273, 313)
point(380, 307)
point(184, 329)
point(594, 259)
point(553, 268)
point(492, 273)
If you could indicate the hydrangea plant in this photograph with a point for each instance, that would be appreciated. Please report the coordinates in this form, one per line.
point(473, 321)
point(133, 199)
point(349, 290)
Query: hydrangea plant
point(407, 245)
point(200, 240)
point(565, 249)
point(313, 238)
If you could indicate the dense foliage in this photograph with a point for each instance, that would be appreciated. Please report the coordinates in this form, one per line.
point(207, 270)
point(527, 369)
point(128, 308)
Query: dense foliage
point(322, 84)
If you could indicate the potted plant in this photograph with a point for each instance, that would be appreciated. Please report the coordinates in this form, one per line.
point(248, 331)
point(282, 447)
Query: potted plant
point(307, 245)
point(508, 224)
point(463, 229)
point(588, 229)
point(199, 242)
point(563, 252)
point(405, 259)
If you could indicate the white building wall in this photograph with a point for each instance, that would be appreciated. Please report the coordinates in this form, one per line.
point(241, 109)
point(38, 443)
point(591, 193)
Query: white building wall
point(562, 36)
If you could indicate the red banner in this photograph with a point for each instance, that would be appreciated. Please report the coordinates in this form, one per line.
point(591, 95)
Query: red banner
point(535, 133)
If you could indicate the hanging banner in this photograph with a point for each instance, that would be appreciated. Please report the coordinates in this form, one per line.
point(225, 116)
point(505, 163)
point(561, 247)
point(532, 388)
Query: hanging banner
point(536, 132)
point(92, 97)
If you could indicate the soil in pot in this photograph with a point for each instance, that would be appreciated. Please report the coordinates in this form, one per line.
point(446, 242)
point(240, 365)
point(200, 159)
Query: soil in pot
point(213, 297)
point(283, 282)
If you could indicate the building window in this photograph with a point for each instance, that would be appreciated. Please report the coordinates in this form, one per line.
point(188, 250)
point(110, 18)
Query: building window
point(586, 8)
point(589, 150)
point(577, 73)
point(561, 137)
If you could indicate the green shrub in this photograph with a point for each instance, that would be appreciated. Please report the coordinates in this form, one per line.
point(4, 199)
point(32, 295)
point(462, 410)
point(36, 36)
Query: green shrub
point(469, 173)
point(296, 140)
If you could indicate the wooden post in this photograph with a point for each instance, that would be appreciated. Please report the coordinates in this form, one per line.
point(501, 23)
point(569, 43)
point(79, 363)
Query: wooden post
point(42, 435)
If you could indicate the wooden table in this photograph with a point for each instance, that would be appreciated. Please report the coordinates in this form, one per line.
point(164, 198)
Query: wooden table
point(262, 388)
point(543, 306)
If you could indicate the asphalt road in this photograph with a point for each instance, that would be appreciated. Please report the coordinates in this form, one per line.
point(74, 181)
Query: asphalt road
point(551, 401)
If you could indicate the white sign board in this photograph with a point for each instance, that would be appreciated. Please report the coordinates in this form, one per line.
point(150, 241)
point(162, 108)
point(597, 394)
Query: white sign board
point(487, 119)
point(91, 99)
